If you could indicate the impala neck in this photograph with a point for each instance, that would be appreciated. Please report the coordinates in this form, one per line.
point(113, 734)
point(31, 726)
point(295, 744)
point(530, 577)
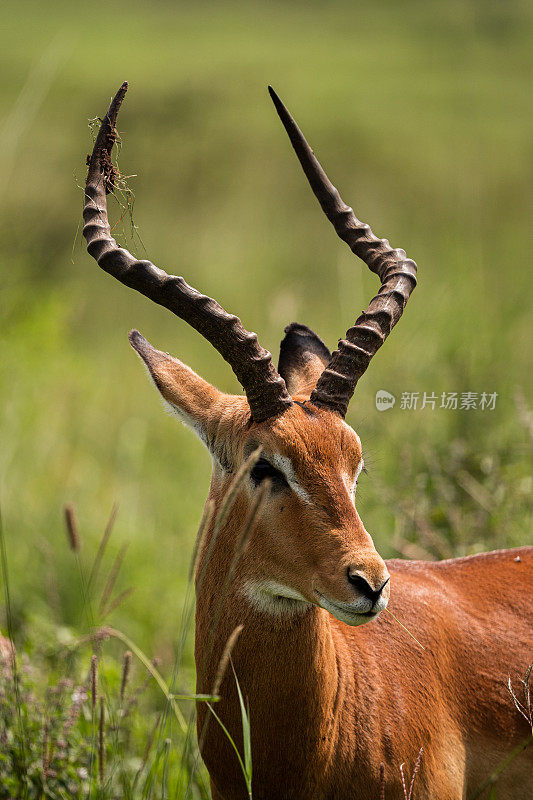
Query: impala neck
point(289, 671)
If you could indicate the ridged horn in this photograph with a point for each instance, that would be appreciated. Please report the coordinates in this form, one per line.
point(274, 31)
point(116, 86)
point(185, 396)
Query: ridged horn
point(265, 389)
point(396, 272)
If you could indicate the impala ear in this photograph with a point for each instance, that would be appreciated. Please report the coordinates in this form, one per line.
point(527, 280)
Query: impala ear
point(193, 400)
point(303, 356)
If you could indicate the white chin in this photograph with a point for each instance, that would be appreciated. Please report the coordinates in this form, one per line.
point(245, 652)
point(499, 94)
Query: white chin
point(346, 614)
point(353, 619)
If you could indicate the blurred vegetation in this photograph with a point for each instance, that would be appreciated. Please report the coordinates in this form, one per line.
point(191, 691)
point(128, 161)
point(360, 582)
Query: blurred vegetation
point(76, 733)
point(418, 112)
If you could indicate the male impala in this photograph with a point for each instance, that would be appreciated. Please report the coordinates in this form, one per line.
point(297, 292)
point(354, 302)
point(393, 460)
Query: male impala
point(330, 699)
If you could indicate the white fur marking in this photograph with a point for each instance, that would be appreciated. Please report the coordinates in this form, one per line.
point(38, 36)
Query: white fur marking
point(176, 411)
point(351, 484)
point(274, 598)
point(284, 465)
point(187, 420)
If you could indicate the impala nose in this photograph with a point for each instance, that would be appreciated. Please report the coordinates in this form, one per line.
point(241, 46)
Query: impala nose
point(364, 587)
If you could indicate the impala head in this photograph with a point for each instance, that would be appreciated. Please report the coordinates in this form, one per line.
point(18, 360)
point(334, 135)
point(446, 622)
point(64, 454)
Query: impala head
point(310, 545)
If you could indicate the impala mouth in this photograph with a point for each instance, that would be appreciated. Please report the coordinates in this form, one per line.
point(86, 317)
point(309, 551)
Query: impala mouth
point(345, 612)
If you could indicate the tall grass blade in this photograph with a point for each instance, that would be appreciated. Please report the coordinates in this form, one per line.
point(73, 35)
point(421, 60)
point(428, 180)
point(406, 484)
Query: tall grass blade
point(95, 569)
point(246, 735)
point(114, 604)
point(146, 753)
point(164, 782)
point(113, 575)
point(494, 776)
point(228, 735)
point(154, 672)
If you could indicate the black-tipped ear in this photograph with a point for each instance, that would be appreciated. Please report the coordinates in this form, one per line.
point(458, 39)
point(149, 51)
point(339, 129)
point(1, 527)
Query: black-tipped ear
point(302, 358)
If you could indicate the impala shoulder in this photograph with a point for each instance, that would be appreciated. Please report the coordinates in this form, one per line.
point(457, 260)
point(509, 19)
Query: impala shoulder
point(458, 578)
point(516, 555)
point(514, 559)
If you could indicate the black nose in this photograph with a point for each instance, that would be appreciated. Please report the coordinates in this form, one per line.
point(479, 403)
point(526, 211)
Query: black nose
point(363, 586)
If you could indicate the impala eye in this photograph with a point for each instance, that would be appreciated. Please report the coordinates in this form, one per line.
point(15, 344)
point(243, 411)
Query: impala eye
point(264, 469)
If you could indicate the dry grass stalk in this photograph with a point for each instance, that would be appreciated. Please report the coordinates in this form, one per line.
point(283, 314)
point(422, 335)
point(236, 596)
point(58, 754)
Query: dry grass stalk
point(94, 681)
point(240, 547)
point(476, 490)
point(126, 666)
point(403, 782)
point(50, 577)
point(221, 670)
point(227, 504)
point(251, 519)
point(242, 542)
point(146, 754)
point(409, 794)
point(101, 742)
point(226, 655)
point(72, 528)
point(415, 771)
point(524, 707)
point(114, 604)
point(113, 574)
point(389, 612)
point(103, 544)
point(205, 525)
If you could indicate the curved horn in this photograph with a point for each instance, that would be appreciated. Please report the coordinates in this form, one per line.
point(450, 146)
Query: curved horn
point(397, 273)
point(265, 390)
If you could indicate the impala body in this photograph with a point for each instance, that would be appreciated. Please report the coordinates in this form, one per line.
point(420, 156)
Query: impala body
point(331, 698)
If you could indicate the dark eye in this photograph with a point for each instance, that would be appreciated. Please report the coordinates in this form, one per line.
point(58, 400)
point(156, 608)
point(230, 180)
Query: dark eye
point(264, 469)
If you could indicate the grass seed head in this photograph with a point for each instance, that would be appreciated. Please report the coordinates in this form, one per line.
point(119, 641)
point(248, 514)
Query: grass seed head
point(126, 666)
point(94, 680)
point(72, 528)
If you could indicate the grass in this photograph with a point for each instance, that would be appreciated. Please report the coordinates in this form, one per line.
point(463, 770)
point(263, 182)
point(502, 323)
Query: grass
point(78, 725)
point(417, 111)
point(77, 736)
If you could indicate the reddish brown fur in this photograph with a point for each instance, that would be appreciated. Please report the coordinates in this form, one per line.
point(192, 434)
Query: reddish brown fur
point(330, 702)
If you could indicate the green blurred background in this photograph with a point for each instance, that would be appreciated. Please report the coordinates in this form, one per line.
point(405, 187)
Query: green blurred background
point(421, 114)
